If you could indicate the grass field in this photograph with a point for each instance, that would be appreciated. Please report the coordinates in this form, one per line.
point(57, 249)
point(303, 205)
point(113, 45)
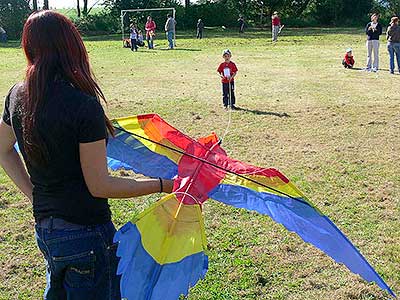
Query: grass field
point(334, 132)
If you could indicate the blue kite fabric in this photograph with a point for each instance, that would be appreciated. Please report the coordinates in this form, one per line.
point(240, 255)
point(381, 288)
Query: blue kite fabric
point(163, 253)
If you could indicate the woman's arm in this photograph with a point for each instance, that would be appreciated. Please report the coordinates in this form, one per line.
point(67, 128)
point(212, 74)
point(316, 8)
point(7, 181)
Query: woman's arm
point(102, 185)
point(379, 29)
point(11, 161)
point(367, 28)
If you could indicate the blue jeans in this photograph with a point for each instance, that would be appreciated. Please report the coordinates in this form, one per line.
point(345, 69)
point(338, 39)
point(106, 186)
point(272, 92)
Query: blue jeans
point(80, 263)
point(394, 49)
point(170, 37)
point(150, 42)
point(228, 98)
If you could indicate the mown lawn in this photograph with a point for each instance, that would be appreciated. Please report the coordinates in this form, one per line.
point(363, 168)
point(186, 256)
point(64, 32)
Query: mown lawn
point(334, 132)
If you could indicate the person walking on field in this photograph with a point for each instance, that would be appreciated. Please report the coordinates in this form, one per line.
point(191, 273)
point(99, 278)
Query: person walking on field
point(276, 26)
point(393, 37)
point(373, 31)
point(200, 27)
point(170, 31)
point(56, 117)
point(241, 24)
point(150, 28)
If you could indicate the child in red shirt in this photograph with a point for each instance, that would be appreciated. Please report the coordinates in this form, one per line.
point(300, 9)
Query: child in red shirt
point(227, 71)
point(348, 61)
point(276, 26)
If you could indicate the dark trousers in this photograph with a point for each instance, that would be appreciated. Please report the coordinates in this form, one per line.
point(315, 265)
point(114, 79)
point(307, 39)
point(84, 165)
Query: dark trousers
point(229, 100)
point(81, 261)
point(346, 65)
point(199, 33)
point(134, 46)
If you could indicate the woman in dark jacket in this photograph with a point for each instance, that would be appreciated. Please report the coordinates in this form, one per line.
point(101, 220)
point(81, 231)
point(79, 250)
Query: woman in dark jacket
point(373, 30)
point(56, 117)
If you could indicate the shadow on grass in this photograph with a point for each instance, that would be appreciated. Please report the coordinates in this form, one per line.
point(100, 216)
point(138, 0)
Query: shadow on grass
point(265, 32)
point(264, 113)
point(11, 44)
point(179, 49)
point(252, 33)
point(368, 71)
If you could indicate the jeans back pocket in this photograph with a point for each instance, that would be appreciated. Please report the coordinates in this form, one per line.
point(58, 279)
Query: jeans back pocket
point(79, 269)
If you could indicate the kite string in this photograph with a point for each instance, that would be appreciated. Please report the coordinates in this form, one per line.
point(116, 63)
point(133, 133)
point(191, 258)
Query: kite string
point(228, 125)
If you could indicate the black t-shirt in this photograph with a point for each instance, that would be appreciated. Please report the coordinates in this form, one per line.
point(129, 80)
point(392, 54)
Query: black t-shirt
point(66, 118)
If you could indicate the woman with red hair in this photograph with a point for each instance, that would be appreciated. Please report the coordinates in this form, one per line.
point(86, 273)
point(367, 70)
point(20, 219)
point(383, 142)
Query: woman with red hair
point(56, 117)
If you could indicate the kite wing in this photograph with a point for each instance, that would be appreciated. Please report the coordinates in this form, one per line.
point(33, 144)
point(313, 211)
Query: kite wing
point(150, 146)
point(147, 145)
point(269, 192)
point(162, 254)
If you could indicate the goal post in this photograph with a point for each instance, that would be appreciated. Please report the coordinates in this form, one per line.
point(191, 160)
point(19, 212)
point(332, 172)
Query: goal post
point(125, 11)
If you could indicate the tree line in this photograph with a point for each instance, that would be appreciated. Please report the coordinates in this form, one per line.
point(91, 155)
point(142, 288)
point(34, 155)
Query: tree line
point(257, 13)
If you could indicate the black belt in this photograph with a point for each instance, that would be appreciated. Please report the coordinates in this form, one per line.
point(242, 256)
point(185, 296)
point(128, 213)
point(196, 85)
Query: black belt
point(58, 223)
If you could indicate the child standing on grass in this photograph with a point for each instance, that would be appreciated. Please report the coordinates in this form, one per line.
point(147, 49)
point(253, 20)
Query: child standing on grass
point(227, 71)
point(133, 37)
point(140, 40)
point(276, 26)
point(348, 60)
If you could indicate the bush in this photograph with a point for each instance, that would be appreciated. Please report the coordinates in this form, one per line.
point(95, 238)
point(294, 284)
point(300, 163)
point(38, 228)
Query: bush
point(13, 14)
point(101, 22)
point(212, 14)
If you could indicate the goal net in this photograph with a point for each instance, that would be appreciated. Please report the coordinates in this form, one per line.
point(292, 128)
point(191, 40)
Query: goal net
point(139, 17)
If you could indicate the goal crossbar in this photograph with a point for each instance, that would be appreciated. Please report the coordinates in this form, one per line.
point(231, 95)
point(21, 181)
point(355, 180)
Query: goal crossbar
point(124, 11)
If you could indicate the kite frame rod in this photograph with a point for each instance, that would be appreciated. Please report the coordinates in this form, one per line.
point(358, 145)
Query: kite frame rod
point(214, 165)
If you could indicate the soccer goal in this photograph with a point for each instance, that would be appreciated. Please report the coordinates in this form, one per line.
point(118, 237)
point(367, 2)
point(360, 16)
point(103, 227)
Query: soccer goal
point(128, 11)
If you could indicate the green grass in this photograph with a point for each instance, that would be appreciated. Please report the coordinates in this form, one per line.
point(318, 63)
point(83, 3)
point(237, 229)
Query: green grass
point(334, 132)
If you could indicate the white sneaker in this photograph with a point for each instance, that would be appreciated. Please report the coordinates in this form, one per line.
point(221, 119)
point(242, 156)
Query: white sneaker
point(374, 70)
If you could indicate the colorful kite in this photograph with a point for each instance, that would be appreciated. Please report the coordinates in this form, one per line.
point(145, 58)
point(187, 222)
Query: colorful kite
point(162, 252)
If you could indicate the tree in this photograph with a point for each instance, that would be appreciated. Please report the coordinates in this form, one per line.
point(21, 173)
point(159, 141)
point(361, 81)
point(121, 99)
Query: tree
point(78, 8)
point(85, 7)
point(393, 6)
point(13, 14)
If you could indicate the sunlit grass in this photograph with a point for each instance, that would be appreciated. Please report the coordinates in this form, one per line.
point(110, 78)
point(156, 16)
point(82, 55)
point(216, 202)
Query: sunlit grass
point(334, 132)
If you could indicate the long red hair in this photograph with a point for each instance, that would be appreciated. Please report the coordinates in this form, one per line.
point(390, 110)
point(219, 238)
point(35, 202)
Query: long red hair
point(54, 49)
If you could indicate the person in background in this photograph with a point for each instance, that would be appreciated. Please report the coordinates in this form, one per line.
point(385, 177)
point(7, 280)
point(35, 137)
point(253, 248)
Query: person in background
point(133, 36)
point(373, 31)
point(170, 31)
point(200, 27)
point(140, 40)
point(150, 28)
point(57, 119)
point(241, 24)
point(227, 71)
point(393, 46)
point(3, 35)
point(348, 60)
point(276, 26)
